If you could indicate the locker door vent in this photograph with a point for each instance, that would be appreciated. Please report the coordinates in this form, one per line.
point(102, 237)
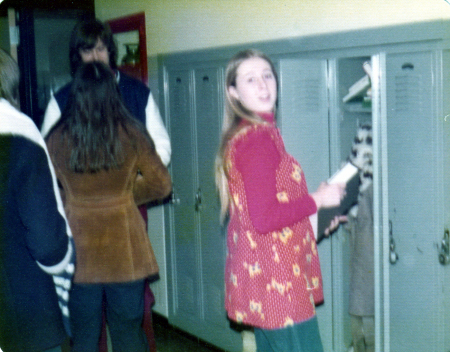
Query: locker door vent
point(408, 93)
point(308, 95)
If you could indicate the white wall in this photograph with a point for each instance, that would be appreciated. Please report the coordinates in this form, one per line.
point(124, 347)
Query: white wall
point(179, 25)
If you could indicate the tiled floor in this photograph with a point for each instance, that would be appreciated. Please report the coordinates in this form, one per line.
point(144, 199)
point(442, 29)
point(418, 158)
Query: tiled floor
point(169, 339)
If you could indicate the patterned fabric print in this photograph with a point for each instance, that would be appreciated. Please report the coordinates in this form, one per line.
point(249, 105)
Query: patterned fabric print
point(272, 280)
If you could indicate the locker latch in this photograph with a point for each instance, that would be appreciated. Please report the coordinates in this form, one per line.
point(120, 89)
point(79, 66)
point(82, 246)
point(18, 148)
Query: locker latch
point(393, 256)
point(198, 200)
point(444, 253)
point(174, 198)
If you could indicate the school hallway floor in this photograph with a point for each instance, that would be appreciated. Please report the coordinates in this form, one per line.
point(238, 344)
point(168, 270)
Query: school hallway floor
point(170, 339)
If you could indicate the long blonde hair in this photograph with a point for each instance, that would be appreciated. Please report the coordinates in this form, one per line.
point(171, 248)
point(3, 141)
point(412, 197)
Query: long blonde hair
point(234, 113)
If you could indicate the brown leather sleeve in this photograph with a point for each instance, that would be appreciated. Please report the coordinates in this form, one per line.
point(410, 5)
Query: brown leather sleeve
point(153, 181)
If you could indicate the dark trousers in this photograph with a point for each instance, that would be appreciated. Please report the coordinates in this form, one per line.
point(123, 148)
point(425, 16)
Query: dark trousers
point(124, 313)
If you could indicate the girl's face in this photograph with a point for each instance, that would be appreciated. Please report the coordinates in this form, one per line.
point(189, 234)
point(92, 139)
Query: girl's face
point(256, 86)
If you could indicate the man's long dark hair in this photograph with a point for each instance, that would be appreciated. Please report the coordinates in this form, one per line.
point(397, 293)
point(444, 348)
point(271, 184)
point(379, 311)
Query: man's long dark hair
point(9, 79)
point(85, 35)
point(92, 118)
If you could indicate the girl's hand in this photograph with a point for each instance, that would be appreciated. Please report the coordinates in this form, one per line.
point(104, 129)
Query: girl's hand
point(335, 224)
point(329, 196)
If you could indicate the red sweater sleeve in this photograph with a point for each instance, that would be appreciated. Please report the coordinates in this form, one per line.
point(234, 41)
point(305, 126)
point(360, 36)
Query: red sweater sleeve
point(257, 159)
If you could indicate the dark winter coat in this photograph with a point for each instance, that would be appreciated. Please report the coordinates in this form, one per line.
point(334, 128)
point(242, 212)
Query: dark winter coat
point(34, 240)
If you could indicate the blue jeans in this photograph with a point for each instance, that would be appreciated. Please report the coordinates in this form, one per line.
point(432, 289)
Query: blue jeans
point(124, 314)
point(302, 337)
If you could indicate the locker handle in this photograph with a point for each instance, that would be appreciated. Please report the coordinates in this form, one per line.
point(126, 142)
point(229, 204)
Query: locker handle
point(407, 66)
point(198, 200)
point(393, 256)
point(173, 198)
point(444, 253)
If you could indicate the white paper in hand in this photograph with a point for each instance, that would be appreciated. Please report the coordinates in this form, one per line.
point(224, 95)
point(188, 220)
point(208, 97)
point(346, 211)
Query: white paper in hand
point(344, 175)
point(347, 175)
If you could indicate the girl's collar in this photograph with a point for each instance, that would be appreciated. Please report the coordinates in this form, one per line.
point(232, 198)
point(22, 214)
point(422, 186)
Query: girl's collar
point(267, 116)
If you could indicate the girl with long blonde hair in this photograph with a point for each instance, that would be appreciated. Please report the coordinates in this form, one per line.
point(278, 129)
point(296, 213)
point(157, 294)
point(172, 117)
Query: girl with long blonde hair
point(272, 276)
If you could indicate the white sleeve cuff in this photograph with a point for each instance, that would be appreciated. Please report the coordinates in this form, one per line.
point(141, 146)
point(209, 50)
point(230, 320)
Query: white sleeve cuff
point(65, 264)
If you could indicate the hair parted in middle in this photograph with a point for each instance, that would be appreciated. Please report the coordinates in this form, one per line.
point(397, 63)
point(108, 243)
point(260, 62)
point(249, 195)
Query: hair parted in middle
point(234, 113)
point(85, 35)
point(92, 117)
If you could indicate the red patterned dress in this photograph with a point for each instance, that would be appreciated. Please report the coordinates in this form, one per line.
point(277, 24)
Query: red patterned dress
point(272, 273)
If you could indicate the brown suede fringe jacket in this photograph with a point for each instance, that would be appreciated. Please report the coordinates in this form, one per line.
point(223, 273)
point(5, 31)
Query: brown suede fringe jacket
point(111, 240)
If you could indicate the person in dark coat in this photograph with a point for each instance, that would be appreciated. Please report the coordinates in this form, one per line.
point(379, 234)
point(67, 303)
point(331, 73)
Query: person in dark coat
point(35, 239)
